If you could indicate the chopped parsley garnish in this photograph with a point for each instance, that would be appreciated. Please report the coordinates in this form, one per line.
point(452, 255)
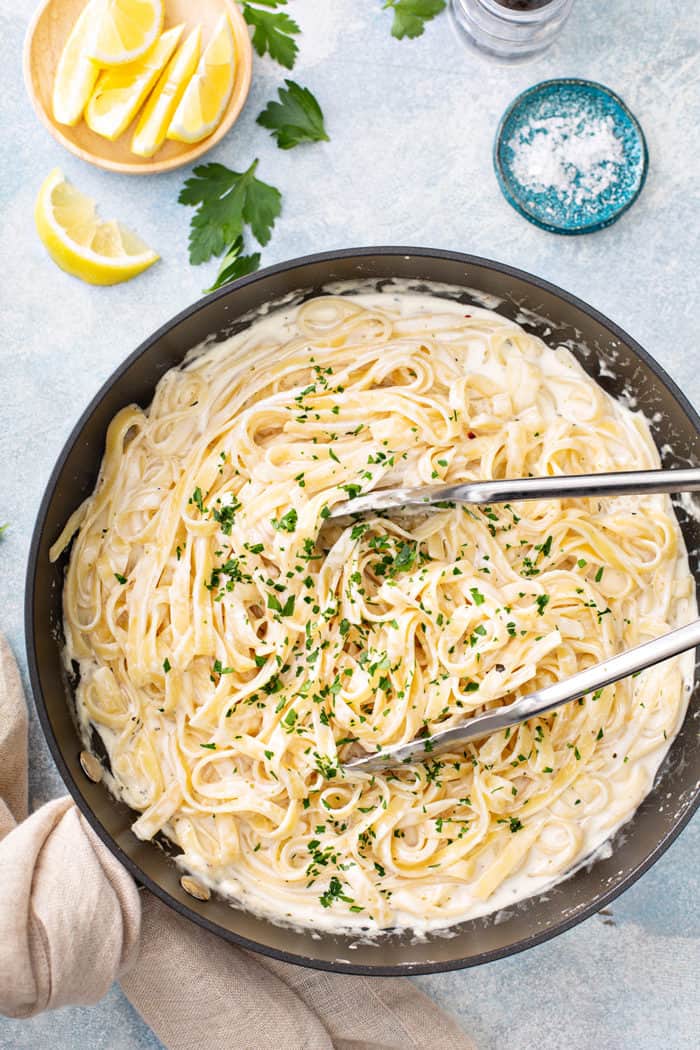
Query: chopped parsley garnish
point(119, 578)
point(231, 569)
point(405, 559)
point(226, 515)
point(325, 766)
point(290, 719)
point(198, 500)
point(288, 521)
point(514, 823)
point(275, 604)
point(334, 892)
point(220, 669)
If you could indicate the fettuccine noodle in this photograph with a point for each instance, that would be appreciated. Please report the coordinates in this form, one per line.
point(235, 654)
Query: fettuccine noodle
point(234, 646)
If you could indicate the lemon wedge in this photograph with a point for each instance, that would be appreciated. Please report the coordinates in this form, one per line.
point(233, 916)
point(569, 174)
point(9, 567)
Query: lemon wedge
point(125, 30)
point(76, 73)
point(79, 242)
point(120, 92)
point(158, 111)
point(206, 96)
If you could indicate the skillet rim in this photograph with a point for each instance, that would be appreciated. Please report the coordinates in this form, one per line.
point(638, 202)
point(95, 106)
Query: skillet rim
point(560, 926)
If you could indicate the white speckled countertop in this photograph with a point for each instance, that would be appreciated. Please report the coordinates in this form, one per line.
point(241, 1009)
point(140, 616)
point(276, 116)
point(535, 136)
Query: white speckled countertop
point(409, 162)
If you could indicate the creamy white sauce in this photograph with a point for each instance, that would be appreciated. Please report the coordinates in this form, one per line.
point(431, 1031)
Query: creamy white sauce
point(277, 327)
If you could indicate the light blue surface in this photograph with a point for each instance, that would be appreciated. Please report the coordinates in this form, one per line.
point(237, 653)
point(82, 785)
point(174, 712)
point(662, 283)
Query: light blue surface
point(411, 126)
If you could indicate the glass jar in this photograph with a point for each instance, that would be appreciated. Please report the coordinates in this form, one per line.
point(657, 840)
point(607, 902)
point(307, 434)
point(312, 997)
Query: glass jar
point(510, 29)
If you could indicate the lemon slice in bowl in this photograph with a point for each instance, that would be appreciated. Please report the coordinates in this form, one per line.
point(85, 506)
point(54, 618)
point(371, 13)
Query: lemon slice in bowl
point(158, 111)
point(79, 242)
point(206, 96)
point(125, 30)
point(76, 73)
point(120, 91)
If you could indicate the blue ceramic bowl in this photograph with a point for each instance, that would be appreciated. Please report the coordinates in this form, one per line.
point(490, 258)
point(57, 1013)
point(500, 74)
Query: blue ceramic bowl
point(570, 156)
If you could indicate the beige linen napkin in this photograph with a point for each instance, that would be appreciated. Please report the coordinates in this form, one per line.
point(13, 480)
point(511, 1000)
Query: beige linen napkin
point(72, 921)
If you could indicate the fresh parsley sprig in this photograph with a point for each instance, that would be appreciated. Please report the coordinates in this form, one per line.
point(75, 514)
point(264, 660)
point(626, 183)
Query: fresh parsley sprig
point(235, 265)
point(297, 117)
point(226, 202)
point(410, 16)
point(273, 31)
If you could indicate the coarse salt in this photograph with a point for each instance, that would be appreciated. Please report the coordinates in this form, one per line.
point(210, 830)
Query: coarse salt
point(573, 157)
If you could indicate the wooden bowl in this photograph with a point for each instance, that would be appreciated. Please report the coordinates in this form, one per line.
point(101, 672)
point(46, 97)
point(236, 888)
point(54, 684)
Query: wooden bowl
point(43, 45)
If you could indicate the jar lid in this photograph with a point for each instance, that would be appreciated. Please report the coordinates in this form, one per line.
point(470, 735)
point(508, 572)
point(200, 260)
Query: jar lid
point(570, 156)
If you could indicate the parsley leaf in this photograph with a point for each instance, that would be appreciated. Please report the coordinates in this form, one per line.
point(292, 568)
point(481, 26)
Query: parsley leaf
point(410, 16)
point(325, 765)
point(273, 31)
point(405, 559)
point(287, 523)
point(477, 596)
point(297, 117)
point(226, 201)
point(274, 603)
point(235, 265)
point(226, 515)
point(334, 892)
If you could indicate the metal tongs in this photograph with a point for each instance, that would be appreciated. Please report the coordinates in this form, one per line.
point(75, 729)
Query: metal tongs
point(510, 490)
point(578, 685)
